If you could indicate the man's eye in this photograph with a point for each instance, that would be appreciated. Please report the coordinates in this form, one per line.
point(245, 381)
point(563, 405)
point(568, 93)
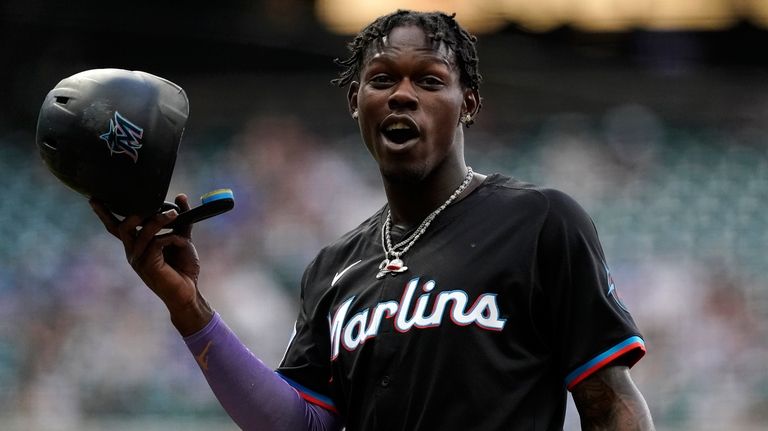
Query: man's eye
point(431, 81)
point(380, 80)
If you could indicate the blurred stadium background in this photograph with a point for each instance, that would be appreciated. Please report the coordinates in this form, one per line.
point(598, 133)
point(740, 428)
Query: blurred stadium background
point(652, 113)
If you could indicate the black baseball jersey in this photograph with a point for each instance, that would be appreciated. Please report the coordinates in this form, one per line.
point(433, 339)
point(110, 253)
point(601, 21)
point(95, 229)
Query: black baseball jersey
point(506, 302)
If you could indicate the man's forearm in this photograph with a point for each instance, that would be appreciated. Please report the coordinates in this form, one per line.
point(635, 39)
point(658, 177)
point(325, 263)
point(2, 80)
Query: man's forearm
point(609, 400)
point(253, 395)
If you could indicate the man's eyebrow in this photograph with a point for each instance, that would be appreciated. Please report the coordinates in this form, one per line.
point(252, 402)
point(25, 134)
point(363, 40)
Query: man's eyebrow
point(430, 57)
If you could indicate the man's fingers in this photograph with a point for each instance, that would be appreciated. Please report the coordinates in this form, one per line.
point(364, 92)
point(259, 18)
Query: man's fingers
point(162, 241)
point(136, 233)
point(127, 233)
point(148, 231)
point(183, 202)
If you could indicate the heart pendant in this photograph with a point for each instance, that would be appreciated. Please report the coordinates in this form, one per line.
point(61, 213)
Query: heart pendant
point(394, 267)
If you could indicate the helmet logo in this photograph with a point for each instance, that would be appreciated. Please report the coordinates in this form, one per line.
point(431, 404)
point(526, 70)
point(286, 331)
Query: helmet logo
point(123, 137)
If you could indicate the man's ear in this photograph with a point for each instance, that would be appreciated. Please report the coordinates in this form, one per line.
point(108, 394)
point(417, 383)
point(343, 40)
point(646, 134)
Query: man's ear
point(472, 101)
point(354, 87)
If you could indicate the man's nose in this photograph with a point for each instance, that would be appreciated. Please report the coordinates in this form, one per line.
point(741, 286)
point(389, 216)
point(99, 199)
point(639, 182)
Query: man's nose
point(403, 96)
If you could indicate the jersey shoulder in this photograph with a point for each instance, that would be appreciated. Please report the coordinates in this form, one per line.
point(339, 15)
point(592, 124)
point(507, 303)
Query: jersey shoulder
point(545, 201)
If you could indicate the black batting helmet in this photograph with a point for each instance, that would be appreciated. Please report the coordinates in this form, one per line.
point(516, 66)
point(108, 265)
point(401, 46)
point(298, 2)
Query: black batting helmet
point(113, 134)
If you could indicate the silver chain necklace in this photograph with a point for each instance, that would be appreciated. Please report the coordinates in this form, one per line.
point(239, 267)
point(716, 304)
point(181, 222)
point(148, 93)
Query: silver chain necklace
point(396, 265)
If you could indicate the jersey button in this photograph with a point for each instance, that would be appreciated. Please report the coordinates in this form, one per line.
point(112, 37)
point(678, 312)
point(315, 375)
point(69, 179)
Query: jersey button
point(385, 381)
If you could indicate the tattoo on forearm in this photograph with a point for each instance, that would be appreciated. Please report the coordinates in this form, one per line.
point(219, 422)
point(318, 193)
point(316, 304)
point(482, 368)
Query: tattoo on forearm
point(609, 400)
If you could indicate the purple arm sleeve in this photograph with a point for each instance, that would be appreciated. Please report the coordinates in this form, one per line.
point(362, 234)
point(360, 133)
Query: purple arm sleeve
point(253, 395)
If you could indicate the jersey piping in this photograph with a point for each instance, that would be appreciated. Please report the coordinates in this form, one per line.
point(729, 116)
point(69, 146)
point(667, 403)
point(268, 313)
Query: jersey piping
point(605, 358)
point(310, 395)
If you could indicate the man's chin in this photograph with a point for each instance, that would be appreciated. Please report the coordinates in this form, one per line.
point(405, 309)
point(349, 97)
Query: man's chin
point(403, 173)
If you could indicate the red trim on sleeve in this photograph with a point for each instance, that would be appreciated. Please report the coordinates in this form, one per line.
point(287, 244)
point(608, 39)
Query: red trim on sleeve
point(605, 358)
point(316, 401)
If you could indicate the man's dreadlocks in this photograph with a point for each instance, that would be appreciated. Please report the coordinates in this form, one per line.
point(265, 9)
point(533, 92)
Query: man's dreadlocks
point(440, 28)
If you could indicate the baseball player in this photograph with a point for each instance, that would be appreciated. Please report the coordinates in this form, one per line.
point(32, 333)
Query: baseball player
point(468, 302)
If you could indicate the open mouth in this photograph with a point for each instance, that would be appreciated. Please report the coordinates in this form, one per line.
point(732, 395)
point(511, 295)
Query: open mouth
point(400, 132)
